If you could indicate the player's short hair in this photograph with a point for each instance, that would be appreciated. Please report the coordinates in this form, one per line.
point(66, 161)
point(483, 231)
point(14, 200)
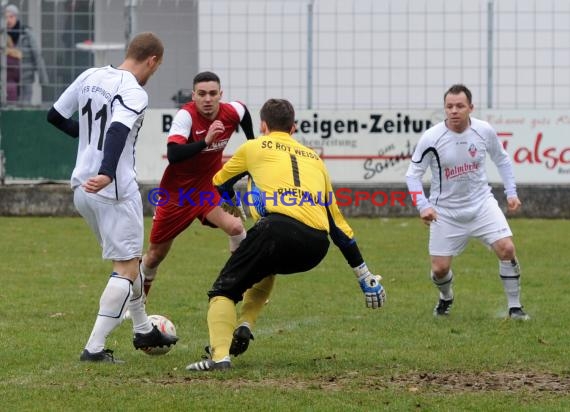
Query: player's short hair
point(205, 77)
point(279, 115)
point(145, 45)
point(457, 89)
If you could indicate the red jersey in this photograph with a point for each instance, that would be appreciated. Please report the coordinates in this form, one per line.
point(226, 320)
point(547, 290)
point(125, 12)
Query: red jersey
point(190, 126)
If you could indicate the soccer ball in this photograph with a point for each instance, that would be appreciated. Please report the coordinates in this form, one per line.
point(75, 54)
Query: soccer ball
point(166, 326)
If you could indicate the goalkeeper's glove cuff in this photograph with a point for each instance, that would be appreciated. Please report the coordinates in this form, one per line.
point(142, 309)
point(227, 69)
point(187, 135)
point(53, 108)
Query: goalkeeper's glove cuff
point(361, 270)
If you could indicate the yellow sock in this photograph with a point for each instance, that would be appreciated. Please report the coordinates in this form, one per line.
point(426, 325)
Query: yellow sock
point(221, 324)
point(254, 299)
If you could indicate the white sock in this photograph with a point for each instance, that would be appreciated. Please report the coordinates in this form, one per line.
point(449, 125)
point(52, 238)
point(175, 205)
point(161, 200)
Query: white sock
point(236, 240)
point(141, 324)
point(509, 270)
point(112, 306)
point(444, 285)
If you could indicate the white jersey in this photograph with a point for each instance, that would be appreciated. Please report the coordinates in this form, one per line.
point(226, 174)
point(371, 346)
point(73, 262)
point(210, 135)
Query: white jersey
point(459, 185)
point(103, 96)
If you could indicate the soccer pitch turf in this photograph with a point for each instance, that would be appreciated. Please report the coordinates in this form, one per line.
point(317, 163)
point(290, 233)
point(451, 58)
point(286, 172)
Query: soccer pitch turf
point(317, 347)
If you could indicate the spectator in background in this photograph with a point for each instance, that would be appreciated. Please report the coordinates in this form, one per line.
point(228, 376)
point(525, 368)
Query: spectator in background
point(31, 60)
point(13, 58)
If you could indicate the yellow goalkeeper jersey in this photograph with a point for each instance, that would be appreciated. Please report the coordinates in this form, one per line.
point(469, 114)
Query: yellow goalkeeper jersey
point(285, 177)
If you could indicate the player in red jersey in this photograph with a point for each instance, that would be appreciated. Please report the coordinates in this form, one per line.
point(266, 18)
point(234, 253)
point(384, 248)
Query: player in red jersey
point(200, 131)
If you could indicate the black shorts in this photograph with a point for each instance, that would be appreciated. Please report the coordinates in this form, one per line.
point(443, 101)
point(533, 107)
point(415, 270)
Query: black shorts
point(277, 244)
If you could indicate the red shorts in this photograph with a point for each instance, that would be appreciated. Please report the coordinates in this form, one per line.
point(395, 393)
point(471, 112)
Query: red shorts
point(173, 218)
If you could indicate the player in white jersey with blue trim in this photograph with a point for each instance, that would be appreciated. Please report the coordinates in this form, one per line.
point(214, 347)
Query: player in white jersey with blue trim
point(111, 104)
point(461, 205)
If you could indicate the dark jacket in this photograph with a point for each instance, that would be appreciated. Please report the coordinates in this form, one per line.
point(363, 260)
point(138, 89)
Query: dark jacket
point(32, 59)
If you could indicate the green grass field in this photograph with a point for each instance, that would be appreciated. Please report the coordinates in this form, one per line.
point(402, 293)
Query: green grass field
point(316, 348)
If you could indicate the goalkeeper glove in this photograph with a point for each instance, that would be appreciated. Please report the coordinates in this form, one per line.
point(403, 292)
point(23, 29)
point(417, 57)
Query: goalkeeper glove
point(234, 208)
point(374, 292)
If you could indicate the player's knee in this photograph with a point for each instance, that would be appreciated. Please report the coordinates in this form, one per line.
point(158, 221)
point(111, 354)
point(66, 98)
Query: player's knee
point(266, 284)
point(128, 269)
point(505, 249)
point(235, 297)
point(235, 227)
point(440, 271)
point(440, 266)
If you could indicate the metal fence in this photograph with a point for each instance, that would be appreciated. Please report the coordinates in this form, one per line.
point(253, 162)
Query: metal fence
point(320, 54)
point(352, 54)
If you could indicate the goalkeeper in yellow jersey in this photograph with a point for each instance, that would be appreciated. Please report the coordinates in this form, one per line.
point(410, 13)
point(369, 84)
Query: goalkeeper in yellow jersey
point(290, 195)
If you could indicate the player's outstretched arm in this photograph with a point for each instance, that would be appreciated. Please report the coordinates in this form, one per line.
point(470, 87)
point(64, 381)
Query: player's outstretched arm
point(178, 152)
point(374, 293)
point(343, 237)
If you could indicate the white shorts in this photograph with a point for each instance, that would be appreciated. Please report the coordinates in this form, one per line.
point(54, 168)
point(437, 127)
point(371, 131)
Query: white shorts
point(449, 237)
point(118, 224)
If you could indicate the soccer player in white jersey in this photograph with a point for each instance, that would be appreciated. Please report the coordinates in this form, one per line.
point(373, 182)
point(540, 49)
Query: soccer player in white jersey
point(461, 205)
point(111, 104)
